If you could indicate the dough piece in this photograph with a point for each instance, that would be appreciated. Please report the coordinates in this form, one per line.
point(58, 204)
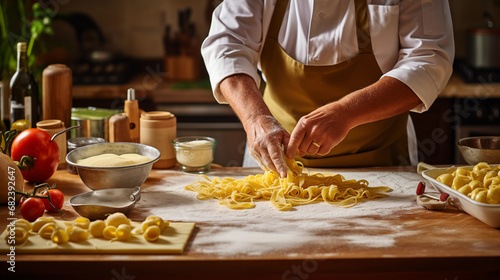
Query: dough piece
point(114, 160)
point(430, 204)
point(117, 219)
point(77, 234)
point(97, 227)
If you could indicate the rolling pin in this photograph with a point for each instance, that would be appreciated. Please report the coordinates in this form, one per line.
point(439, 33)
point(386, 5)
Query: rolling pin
point(131, 109)
point(119, 128)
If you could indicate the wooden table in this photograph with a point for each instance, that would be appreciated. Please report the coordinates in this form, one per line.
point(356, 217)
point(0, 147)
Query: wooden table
point(447, 245)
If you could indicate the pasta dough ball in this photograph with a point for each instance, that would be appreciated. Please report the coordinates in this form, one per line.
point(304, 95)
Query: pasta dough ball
point(20, 235)
point(446, 179)
point(22, 223)
point(493, 196)
point(40, 222)
point(59, 236)
point(117, 219)
point(152, 233)
point(97, 227)
point(109, 232)
point(47, 229)
point(77, 234)
point(82, 223)
point(123, 232)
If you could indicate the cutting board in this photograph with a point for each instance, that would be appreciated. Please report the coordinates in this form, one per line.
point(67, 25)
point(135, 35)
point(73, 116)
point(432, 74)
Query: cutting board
point(173, 240)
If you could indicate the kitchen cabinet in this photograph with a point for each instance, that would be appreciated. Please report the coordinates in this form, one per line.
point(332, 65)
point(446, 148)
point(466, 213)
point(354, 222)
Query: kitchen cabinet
point(316, 241)
point(435, 136)
point(196, 110)
point(461, 110)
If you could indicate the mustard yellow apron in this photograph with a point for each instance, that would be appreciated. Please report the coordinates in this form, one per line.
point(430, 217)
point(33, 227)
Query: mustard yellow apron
point(294, 89)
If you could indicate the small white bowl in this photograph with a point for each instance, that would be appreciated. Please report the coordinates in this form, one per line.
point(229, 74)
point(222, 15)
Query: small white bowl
point(194, 153)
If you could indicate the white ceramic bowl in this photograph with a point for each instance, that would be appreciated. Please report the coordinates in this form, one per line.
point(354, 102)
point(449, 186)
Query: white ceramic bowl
point(130, 176)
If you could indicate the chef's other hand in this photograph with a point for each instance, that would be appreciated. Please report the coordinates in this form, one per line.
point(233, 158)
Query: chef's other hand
point(318, 132)
point(266, 141)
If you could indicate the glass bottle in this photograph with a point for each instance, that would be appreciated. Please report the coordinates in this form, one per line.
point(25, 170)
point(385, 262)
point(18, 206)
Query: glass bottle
point(23, 90)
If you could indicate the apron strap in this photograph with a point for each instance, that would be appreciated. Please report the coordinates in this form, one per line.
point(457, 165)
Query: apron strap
point(277, 19)
point(363, 26)
point(362, 23)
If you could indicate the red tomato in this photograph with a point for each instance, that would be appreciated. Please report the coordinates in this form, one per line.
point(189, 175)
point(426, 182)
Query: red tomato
point(57, 198)
point(32, 209)
point(22, 200)
point(36, 143)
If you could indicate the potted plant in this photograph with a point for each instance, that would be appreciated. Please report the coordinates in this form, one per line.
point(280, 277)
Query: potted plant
point(21, 21)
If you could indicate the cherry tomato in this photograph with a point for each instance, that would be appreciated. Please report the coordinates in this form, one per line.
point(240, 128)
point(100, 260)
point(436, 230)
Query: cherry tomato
point(22, 200)
point(32, 209)
point(36, 143)
point(57, 198)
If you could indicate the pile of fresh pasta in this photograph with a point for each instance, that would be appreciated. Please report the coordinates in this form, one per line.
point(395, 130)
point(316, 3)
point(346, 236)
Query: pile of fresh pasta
point(481, 184)
point(116, 227)
point(298, 188)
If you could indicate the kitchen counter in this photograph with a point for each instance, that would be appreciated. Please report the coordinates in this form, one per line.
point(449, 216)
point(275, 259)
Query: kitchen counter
point(162, 91)
point(388, 238)
point(457, 88)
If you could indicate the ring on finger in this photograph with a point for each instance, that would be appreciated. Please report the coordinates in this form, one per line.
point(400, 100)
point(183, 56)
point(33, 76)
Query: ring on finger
point(316, 144)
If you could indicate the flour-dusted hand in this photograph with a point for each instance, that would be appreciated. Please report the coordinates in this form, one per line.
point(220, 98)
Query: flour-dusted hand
point(318, 132)
point(267, 139)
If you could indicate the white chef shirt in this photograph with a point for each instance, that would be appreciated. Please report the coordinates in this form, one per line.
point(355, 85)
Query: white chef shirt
point(412, 39)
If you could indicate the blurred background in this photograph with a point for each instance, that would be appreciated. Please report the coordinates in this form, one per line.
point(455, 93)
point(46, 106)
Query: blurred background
point(153, 46)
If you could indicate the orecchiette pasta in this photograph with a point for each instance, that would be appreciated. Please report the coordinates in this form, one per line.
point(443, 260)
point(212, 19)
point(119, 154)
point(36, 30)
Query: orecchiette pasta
point(40, 222)
point(79, 229)
point(117, 219)
point(82, 223)
point(47, 229)
point(77, 234)
point(59, 236)
point(152, 233)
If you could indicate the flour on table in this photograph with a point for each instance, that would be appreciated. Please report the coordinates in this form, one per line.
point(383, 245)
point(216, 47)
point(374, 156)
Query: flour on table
point(263, 228)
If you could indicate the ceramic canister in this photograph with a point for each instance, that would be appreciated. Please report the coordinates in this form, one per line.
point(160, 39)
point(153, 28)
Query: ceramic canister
point(158, 129)
point(52, 127)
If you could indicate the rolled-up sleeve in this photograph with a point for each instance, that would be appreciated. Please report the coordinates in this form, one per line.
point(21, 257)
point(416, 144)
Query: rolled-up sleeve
point(426, 49)
point(234, 42)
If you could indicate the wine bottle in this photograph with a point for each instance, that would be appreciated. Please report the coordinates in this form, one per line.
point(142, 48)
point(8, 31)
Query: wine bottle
point(23, 90)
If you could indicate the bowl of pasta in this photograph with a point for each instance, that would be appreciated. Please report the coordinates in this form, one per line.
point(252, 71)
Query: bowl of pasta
point(480, 149)
point(113, 165)
point(473, 189)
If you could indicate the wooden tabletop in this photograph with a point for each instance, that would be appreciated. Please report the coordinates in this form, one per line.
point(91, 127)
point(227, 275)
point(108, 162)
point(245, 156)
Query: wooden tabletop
point(412, 243)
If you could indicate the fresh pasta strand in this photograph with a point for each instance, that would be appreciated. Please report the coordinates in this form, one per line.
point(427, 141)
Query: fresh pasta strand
point(298, 188)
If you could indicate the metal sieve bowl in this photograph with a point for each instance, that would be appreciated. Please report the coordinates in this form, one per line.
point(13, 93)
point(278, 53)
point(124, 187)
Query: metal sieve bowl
point(130, 176)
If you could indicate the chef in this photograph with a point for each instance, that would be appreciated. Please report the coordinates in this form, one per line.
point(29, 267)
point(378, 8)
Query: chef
point(340, 76)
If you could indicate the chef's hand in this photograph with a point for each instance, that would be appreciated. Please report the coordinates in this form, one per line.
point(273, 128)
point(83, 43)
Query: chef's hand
point(319, 131)
point(266, 141)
